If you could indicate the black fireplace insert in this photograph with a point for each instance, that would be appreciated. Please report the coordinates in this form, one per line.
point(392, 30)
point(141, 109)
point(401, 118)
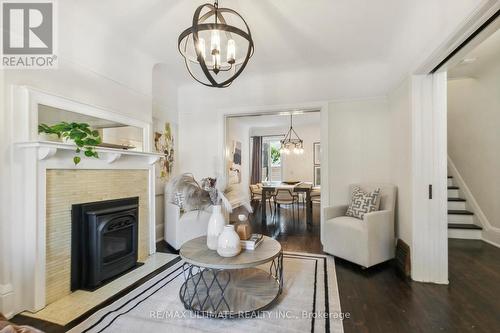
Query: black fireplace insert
point(104, 239)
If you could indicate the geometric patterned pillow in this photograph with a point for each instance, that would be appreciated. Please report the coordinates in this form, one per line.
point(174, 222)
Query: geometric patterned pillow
point(363, 202)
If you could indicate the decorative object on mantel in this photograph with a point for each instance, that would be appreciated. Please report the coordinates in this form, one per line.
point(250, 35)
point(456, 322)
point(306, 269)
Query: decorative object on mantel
point(229, 242)
point(292, 141)
point(164, 143)
point(80, 134)
point(243, 228)
point(223, 33)
point(216, 225)
point(116, 146)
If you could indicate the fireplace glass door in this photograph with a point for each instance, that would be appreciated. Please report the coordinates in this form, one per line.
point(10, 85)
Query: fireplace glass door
point(117, 240)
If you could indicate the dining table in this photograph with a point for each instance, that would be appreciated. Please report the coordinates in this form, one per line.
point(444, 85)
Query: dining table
point(270, 187)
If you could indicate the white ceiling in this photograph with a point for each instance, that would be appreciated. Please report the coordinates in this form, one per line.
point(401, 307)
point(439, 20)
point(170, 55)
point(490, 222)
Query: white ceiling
point(480, 59)
point(383, 39)
point(278, 120)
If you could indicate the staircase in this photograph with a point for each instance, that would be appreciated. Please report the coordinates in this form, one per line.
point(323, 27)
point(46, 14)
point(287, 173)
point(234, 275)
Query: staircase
point(460, 220)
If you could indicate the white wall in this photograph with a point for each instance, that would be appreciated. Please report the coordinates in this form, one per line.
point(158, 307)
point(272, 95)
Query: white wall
point(400, 120)
point(164, 92)
point(360, 145)
point(296, 167)
point(474, 140)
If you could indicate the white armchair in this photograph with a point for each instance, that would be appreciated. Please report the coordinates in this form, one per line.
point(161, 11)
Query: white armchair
point(365, 242)
point(181, 227)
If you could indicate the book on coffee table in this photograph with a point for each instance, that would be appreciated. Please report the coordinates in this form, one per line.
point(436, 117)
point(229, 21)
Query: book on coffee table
point(253, 242)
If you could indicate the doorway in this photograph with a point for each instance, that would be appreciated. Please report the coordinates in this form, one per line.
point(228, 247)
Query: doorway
point(265, 161)
point(429, 90)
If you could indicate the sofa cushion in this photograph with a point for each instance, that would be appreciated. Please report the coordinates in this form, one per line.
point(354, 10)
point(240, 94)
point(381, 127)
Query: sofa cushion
point(352, 223)
point(363, 202)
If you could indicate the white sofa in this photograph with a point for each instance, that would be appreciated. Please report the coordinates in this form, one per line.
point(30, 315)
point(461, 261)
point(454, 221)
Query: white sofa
point(365, 242)
point(181, 227)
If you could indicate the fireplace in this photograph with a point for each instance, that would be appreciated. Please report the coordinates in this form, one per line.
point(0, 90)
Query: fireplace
point(104, 237)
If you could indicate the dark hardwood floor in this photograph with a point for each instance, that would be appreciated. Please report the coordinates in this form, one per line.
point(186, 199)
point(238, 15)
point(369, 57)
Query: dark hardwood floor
point(380, 301)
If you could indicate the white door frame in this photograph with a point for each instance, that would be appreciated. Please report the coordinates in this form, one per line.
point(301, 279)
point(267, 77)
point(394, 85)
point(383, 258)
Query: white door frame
point(429, 152)
point(322, 106)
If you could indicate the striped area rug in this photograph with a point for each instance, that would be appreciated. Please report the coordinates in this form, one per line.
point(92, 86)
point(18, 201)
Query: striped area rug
point(309, 303)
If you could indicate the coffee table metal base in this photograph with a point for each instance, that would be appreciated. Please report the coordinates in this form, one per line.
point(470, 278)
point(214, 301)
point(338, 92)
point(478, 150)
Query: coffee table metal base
point(224, 293)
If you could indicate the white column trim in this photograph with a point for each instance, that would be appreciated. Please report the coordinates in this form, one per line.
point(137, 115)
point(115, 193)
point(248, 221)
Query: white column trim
point(429, 228)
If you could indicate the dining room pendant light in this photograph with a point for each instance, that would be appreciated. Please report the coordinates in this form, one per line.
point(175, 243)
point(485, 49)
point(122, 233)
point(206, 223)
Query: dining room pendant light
point(292, 142)
point(230, 41)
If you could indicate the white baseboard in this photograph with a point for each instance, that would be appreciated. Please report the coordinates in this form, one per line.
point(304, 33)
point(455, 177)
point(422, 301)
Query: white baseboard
point(490, 242)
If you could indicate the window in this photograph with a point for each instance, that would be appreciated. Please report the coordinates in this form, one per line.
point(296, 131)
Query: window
point(271, 159)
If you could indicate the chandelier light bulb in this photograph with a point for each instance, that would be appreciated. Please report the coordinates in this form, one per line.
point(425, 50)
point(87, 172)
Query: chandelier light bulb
point(231, 51)
point(216, 60)
point(296, 150)
point(215, 42)
point(201, 48)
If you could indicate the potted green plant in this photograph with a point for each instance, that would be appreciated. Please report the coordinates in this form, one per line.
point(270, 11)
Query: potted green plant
point(81, 134)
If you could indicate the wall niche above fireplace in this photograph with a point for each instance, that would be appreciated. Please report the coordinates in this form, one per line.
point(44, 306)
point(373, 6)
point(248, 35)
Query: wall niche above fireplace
point(104, 241)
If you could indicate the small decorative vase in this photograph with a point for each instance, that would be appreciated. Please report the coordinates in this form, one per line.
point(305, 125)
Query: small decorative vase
point(229, 242)
point(216, 224)
point(243, 228)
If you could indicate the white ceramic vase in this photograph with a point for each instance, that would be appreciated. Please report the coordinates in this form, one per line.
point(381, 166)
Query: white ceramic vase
point(229, 242)
point(216, 224)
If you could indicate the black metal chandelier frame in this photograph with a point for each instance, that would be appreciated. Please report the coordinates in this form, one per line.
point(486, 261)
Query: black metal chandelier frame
point(289, 140)
point(220, 25)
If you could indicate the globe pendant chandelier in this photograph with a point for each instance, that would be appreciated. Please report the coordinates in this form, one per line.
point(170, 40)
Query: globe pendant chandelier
point(219, 62)
point(292, 142)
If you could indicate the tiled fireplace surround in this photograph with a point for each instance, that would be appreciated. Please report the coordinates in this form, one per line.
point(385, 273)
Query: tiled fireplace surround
point(67, 187)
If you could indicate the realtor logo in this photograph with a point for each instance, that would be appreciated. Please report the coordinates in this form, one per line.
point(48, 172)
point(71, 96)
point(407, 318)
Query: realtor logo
point(28, 34)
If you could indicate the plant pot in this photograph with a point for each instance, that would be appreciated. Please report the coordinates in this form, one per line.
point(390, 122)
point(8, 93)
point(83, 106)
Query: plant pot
point(229, 242)
point(216, 224)
point(68, 141)
point(48, 137)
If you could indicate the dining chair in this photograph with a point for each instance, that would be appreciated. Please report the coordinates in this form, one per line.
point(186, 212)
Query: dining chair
point(288, 198)
point(256, 195)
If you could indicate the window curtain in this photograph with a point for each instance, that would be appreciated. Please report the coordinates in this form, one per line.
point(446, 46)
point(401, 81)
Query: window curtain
point(256, 176)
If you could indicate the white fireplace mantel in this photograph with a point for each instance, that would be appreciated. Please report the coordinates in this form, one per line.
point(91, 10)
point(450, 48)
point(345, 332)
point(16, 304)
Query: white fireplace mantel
point(25, 287)
point(51, 149)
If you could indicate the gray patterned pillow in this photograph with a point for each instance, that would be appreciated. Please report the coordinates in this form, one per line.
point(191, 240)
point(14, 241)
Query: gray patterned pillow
point(363, 202)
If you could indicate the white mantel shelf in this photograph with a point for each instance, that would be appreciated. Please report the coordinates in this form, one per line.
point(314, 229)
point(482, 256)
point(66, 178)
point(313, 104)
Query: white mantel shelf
point(48, 149)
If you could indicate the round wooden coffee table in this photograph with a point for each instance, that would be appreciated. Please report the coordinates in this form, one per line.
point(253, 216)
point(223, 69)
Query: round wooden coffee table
point(240, 286)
